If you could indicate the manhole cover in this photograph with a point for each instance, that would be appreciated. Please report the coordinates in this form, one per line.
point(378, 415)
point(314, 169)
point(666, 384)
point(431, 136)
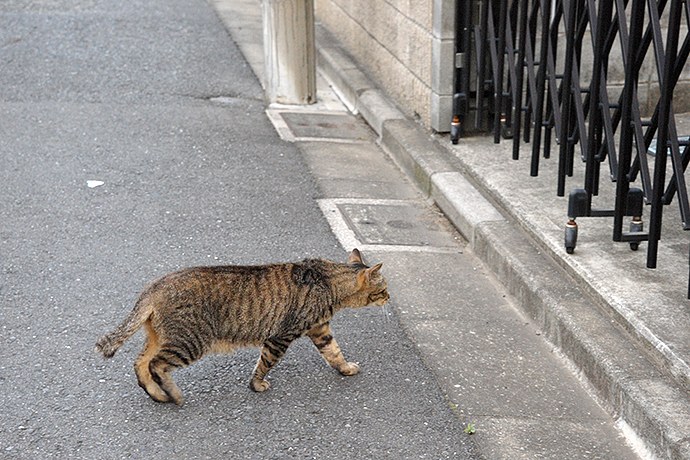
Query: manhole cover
point(403, 223)
point(389, 225)
point(325, 126)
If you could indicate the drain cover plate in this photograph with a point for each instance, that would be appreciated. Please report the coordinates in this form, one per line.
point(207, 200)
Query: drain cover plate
point(386, 224)
point(307, 126)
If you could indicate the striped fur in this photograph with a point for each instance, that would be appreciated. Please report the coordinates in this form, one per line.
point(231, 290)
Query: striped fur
point(196, 311)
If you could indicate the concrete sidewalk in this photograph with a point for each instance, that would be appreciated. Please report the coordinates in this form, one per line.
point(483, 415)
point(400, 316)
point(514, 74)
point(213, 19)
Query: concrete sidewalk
point(624, 328)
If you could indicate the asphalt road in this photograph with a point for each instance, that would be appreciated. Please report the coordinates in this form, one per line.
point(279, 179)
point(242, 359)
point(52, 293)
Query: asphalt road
point(152, 100)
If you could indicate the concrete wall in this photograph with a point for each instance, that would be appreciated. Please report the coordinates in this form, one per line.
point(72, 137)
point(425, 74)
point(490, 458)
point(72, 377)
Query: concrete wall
point(406, 48)
point(404, 45)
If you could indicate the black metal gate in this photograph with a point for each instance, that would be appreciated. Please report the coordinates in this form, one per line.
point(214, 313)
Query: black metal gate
point(514, 78)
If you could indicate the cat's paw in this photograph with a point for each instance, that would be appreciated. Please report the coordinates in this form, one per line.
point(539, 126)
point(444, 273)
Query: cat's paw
point(349, 369)
point(259, 385)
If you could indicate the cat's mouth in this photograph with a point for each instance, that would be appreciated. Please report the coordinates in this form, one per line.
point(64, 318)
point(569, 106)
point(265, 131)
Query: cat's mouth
point(380, 298)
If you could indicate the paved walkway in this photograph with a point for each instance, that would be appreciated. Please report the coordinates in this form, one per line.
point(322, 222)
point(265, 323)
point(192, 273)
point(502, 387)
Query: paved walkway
point(624, 328)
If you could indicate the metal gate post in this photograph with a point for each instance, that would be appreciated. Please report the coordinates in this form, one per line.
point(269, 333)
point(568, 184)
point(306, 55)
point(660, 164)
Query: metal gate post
point(498, 78)
point(461, 83)
point(519, 80)
point(567, 115)
point(666, 91)
point(545, 7)
point(626, 137)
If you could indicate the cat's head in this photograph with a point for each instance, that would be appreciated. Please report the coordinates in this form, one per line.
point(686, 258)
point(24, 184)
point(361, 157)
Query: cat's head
point(372, 288)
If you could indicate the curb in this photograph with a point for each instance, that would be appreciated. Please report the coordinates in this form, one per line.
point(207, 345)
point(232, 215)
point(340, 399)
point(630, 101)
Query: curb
point(640, 396)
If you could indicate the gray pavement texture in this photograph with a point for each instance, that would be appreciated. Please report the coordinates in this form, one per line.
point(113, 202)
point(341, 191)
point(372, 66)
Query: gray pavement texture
point(154, 100)
point(625, 329)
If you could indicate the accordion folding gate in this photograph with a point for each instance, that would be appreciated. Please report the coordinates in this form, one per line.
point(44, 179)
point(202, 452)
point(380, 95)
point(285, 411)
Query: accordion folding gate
point(541, 73)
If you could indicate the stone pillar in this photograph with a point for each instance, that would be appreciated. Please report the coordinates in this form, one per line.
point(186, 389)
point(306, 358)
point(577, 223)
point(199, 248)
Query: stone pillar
point(289, 51)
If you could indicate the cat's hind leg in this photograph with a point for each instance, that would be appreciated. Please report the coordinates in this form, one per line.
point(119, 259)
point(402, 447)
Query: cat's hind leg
point(323, 339)
point(163, 364)
point(272, 350)
point(141, 366)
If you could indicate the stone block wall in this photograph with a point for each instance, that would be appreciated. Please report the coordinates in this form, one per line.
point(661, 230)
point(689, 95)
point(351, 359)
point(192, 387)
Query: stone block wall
point(400, 44)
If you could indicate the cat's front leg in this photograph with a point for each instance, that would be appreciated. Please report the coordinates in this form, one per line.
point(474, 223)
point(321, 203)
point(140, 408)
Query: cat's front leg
point(272, 350)
point(323, 339)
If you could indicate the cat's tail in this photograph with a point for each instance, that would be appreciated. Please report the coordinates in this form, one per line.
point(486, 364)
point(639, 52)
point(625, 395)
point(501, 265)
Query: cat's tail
point(110, 343)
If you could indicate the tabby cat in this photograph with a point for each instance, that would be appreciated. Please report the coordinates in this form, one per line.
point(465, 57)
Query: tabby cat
point(195, 311)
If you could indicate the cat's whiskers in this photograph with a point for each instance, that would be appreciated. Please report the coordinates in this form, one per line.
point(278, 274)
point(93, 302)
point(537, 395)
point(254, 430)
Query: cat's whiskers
point(384, 310)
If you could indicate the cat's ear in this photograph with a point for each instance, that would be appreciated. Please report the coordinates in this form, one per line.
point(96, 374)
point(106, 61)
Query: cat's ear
point(355, 257)
point(375, 269)
point(366, 274)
